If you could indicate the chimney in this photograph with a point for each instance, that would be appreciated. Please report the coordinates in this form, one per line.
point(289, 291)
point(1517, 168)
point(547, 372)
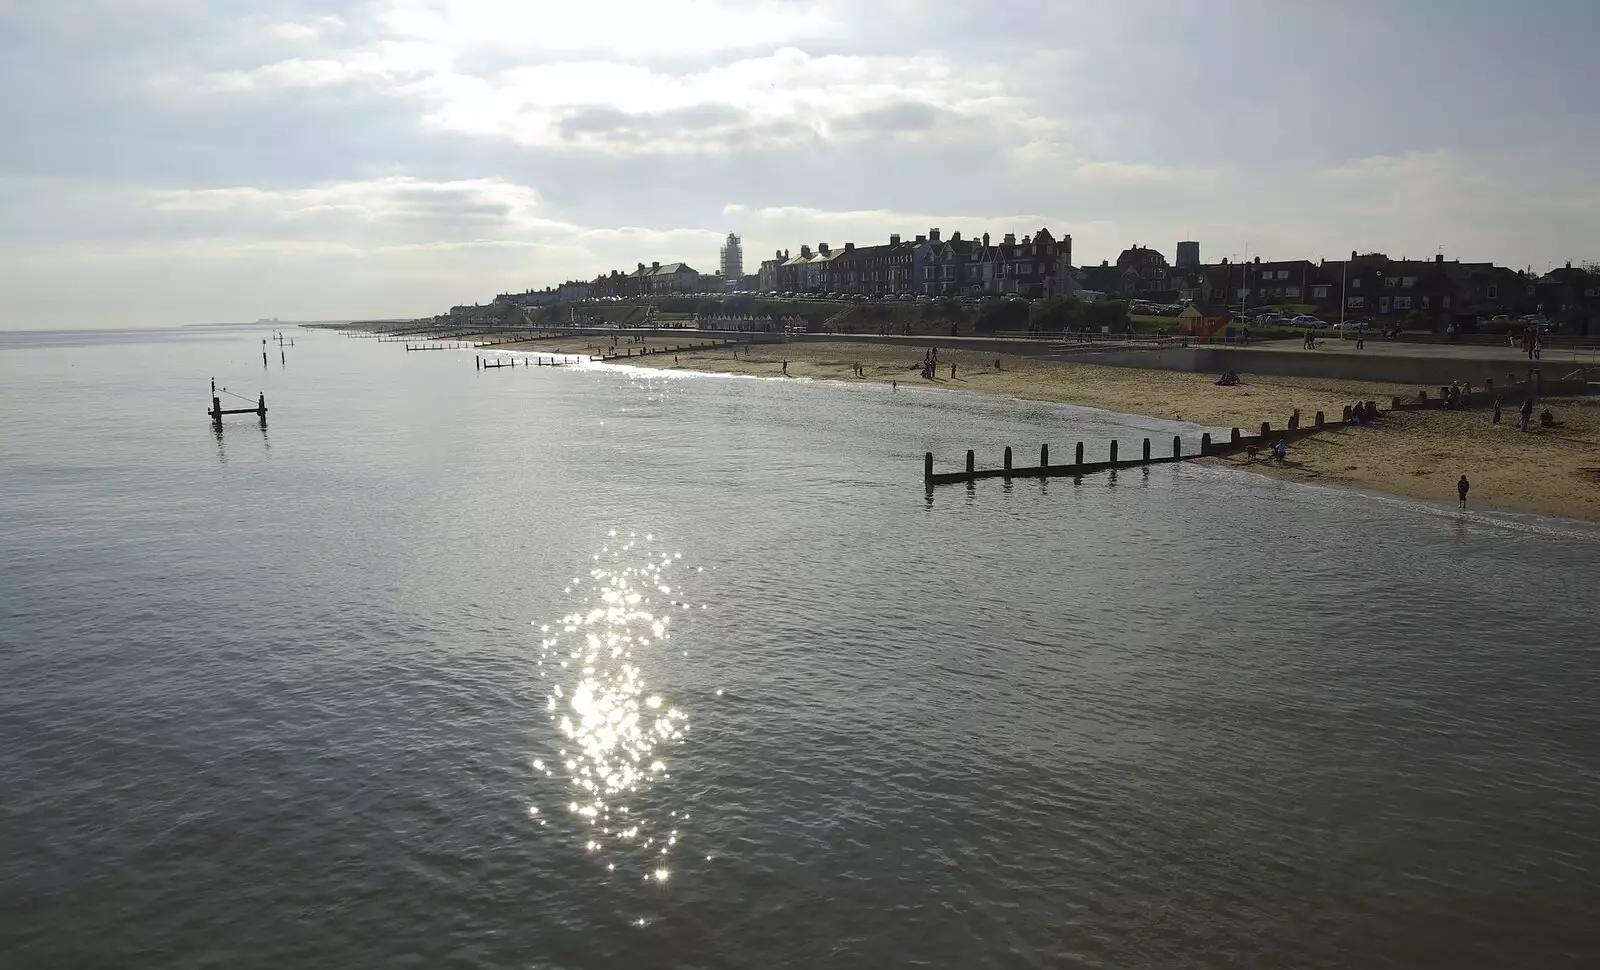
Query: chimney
point(641, 267)
point(1352, 254)
point(955, 236)
point(805, 251)
point(922, 239)
point(986, 239)
point(1026, 240)
point(894, 239)
point(1258, 260)
point(656, 265)
point(822, 248)
point(849, 247)
point(933, 235)
point(1439, 258)
point(1011, 239)
point(1569, 262)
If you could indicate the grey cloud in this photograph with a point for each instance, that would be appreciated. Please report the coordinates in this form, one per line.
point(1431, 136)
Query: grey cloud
point(601, 120)
point(902, 116)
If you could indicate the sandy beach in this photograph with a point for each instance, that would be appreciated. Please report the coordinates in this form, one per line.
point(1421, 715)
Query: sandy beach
point(1417, 454)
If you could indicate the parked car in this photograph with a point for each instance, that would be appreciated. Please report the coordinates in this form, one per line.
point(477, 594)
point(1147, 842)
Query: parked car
point(1306, 320)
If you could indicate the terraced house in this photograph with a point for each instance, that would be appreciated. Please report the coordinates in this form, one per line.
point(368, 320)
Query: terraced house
point(1035, 267)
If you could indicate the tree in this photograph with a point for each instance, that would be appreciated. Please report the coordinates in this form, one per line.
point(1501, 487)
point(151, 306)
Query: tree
point(1056, 314)
point(1109, 313)
point(996, 314)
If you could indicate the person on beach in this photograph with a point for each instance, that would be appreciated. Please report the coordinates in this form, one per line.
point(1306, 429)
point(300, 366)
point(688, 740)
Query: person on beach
point(1496, 411)
point(1526, 411)
point(1361, 339)
point(785, 368)
point(1461, 490)
point(952, 370)
point(1280, 451)
point(894, 385)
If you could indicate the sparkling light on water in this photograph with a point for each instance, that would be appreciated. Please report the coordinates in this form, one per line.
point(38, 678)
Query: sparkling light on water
point(618, 732)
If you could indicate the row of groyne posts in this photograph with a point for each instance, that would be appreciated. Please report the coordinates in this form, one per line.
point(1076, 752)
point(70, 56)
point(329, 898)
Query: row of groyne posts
point(1359, 413)
point(497, 363)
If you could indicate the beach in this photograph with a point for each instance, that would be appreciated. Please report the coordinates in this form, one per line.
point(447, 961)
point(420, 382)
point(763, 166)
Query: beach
point(1415, 454)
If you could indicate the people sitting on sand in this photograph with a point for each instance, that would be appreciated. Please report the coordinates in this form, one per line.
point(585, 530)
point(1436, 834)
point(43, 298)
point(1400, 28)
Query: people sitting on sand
point(1548, 420)
point(1228, 379)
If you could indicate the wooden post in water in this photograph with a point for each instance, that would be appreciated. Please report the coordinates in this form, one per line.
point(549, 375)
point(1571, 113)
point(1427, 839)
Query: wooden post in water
point(216, 411)
point(1347, 412)
point(1113, 451)
point(1077, 458)
point(1147, 449)
point(1234, 438)
point(261, 408)
point(927, 468)
point(1205, 443)
point(1044, 456)
point(971, 463)
point(1266, 429)
point(1177, 446)
point(1008, 461)
point(1294, 421)
point(1319, 419)
point(477, 362)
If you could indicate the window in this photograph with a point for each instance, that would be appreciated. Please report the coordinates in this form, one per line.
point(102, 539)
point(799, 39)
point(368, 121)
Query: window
point(1383, 304)
point(1492, 292)
point(1530, 290)
point(1293, 292)
point(1426, 302)
point(1319, 292)
point(1355, 284)
point(1356, 302)
point(1446, 303)
point(1283, 274)
point(1390, 282)
point(1402, 303)
point(1409, 282)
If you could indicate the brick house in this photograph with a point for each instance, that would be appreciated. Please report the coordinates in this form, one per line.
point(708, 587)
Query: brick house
point(1037, 266)
point(1141, 270)
point(1570, 298)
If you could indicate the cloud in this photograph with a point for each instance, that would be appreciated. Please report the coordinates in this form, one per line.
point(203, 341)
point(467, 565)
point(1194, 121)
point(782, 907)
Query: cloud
point(627, 28)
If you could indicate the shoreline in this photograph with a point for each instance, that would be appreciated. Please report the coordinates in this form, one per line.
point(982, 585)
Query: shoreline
point(1410, 454)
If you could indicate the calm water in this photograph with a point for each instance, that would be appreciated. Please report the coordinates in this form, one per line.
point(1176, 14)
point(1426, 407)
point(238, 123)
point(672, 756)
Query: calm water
point(378, 686)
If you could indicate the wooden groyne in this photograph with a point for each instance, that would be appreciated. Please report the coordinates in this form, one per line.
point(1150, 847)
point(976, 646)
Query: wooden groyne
point(566, 361)
point(438, 347)
point(628, 352)
point(217, 410)
point(1354, 415)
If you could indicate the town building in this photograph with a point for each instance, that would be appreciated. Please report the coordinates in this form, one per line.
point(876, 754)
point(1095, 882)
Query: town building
point(1188, 255)
point(730, 264)
point(1141, 270)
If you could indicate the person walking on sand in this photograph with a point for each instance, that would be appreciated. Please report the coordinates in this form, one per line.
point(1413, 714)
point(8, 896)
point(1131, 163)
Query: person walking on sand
point(785, 368)
point(1526, 411)
point(1496, 411)
point(1461, 490)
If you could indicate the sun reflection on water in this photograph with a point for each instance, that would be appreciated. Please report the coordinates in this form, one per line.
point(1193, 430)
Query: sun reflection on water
point(617, 731)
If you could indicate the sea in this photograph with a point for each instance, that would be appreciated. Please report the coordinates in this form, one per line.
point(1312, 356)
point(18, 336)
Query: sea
point(596, 667)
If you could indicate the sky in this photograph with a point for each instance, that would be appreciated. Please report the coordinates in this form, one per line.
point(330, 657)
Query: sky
point(185, 161)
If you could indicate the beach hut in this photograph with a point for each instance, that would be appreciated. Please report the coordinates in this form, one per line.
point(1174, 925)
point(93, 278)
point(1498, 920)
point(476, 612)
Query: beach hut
point(1202, 321)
